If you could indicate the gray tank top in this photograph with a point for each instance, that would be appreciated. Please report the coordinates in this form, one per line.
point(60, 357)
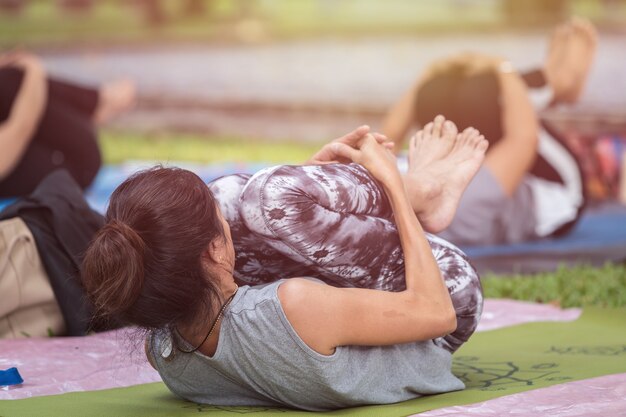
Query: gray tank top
point(261, 361)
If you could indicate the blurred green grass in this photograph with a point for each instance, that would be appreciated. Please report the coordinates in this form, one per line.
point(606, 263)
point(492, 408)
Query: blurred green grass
point(118, 147)
point(567, 287)
point(114, 22)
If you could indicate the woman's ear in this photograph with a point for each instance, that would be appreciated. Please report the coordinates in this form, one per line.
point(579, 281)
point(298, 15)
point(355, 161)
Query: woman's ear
point(214, 251)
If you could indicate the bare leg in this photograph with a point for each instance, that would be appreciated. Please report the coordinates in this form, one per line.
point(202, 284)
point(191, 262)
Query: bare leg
point(571, 53)
point(557, 75)
point(442, 162)
point(115, 97)
point(581, 51)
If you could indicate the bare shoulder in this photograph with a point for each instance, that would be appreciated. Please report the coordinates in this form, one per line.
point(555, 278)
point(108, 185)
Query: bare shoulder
point(305, 303)
point(293, 287)
point(296, 293)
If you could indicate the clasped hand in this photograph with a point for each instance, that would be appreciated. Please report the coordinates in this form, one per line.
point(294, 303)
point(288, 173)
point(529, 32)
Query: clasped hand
point(371, 150)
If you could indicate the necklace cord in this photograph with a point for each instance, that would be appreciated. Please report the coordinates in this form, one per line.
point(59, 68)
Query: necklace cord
point(215, 321)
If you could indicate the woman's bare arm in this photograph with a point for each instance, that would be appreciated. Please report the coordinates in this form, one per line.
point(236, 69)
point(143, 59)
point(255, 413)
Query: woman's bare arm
point(26, 112)
point(512, 157)
point(326, 317)
point(401, 116)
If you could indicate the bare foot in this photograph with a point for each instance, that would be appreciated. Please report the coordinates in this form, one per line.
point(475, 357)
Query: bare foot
point(433, 142)
point(571, 52)
point(115, 97)
point(554, 67)
point(436, 179)
point(580, 53)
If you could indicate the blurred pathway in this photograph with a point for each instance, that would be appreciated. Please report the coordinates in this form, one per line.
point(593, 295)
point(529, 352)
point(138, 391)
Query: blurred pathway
point(307, 90)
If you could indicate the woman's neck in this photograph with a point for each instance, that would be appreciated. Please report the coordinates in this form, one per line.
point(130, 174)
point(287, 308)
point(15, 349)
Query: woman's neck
point(203, 332)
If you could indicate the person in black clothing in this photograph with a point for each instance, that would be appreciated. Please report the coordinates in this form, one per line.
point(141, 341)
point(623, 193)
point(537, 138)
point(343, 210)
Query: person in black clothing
point(46, 124)
point(62, 225)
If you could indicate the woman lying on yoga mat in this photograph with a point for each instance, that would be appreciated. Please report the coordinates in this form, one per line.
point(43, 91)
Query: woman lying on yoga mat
point(530, 185)
point(201, 269)
point(47, 124)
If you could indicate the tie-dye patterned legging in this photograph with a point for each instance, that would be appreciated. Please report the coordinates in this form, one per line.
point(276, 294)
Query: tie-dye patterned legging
point(332, 222)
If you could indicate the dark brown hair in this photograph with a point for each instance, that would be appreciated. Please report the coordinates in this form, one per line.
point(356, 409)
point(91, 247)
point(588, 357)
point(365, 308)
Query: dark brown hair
point(466, 99)
point(144, 267)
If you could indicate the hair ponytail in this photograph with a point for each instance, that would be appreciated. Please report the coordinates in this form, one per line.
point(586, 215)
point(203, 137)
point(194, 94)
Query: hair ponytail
point(144, 267)
point(113, 268)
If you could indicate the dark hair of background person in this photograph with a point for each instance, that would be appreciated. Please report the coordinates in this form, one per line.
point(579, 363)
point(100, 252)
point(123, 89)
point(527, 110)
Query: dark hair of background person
point(468, 100)
point(144, 267)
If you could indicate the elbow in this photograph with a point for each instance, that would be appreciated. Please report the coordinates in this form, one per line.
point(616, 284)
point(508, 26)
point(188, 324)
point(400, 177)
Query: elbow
point(6, 167)
point(8, 161)
point(14, 140)
point(445, 321)
point(449, 321)
point(440, 316)
point(442, 321)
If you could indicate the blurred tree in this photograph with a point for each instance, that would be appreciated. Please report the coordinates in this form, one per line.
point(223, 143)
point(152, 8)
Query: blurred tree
point(523, 13)
point(76, 6)
point(194, 8)
point(156, 14)
point(14, 7)
point(153, 12)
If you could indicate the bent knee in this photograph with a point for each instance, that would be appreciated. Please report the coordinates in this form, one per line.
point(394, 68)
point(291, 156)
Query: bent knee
point(227, 191)
point(274, 198)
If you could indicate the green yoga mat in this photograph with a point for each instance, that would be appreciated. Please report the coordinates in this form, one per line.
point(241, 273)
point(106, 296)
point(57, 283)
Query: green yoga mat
point(492, 364)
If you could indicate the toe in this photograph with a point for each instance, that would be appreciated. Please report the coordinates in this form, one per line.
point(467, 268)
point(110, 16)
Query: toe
point(482, 144)
point(467, 133)
point(413, 145)
point(449, 129)
point(427, 130)
point(417, 137)
point(474, 137)
point(587, 29)
point(438, 125)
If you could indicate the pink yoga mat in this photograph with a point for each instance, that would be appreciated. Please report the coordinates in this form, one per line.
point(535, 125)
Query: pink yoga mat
point(116, 359)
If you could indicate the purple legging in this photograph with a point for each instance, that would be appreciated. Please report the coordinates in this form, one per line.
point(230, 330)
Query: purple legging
point(332, 222)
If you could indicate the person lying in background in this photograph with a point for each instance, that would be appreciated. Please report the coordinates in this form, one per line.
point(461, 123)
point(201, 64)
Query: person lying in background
point(42, 239)
point(531, 185)
point(47, 124)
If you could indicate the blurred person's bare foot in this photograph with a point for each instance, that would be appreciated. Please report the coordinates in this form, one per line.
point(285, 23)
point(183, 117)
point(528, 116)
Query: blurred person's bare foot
point(115, 97)
point(570, 55)
point(442, 163)
point(580, 53)
point(558, 77)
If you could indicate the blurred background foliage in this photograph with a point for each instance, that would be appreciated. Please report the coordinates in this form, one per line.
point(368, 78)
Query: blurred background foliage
point(34, 23)
point(79, 25)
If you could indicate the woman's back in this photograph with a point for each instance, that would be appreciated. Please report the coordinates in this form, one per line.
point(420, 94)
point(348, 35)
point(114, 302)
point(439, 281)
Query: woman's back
point(260, 360)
